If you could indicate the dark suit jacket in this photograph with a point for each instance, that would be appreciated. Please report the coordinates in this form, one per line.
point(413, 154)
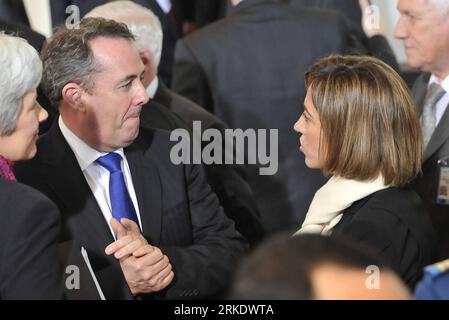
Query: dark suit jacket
point(248, 70)
point(349, 8)
point(169, 31)
point(179, 214)
point(170, 111)
point(28, 244)
point(376, 46)
point(394, 223)
point(13, 10)
point(426, 185)
point(207, 11)
point(187, 110)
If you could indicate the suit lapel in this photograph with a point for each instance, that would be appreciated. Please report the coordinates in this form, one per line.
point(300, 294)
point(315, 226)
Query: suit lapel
point(419, 91)
point(69, 184)
point(147, 185)
point(439, 136)
point(441, 133)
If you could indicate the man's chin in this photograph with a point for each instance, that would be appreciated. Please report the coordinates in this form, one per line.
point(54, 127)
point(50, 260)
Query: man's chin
point(414, 62)
point(133, 133)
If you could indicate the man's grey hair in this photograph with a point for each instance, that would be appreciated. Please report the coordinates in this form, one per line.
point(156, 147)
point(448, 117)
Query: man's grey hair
point(67, 56)
point(441, 5)
point(21, 71)
point(142, 22)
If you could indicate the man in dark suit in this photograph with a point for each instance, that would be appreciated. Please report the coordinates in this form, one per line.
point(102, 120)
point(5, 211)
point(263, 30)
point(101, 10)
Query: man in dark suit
point(366, 39)
point(58, 14)
point(248, 70)
point(178, 112)
point(99, 169)
point(424, 28)
point(28, 244)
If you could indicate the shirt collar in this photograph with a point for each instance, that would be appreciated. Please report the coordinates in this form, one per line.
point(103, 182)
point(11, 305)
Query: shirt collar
point(444, 83)
point(85, 155)
point(152, 88)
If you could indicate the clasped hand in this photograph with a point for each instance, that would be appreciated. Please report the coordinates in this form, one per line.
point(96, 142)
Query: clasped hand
point(145, 267)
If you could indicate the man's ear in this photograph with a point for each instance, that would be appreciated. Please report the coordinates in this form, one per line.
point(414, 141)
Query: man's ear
point(72, 95)
point(147, 58)
point(149, 71)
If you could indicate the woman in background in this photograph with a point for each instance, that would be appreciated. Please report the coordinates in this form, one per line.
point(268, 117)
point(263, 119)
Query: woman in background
point(360, 127)
point(29, 224)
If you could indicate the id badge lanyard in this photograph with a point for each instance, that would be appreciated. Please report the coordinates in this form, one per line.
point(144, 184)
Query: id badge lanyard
point(443, 181)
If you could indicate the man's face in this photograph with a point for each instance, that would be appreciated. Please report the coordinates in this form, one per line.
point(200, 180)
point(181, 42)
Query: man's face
point(113, 106)
point(425, 32)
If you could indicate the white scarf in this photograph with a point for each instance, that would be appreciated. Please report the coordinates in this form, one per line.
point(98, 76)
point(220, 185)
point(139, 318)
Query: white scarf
point(332, 199)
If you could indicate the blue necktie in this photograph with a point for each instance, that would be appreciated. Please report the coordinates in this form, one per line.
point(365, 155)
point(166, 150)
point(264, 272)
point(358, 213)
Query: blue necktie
point(122, 206)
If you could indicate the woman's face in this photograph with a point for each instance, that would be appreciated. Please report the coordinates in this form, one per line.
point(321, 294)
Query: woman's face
point(21, 144)
point(309, 126)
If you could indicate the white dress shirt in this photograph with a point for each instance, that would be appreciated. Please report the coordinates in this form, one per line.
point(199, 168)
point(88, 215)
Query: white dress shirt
point(165, 5)
point(444, 101)
point(97, 177)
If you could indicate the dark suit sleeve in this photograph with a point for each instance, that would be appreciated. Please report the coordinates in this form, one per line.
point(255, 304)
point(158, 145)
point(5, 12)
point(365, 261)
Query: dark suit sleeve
point(204, 268)
point(29, 260)
point(189, 79)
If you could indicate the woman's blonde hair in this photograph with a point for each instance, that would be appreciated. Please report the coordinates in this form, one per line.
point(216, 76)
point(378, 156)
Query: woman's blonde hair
point(369, 121)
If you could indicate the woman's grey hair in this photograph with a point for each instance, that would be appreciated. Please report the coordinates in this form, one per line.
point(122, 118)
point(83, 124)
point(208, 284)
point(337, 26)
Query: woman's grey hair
point(21, 72)
point(142, 22)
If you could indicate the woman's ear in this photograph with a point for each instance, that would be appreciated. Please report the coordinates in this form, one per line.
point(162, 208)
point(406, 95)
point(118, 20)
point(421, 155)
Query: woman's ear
point(72, 96)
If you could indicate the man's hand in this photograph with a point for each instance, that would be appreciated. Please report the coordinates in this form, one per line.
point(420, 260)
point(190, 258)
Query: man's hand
point(145, 267)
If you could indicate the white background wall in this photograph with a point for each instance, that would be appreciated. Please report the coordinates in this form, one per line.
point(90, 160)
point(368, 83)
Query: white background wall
point(39, 15)
point(390, 16)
